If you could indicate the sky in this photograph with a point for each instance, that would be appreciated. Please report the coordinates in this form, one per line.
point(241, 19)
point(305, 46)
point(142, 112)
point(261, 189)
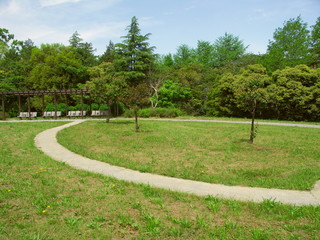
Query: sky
point(170, 22)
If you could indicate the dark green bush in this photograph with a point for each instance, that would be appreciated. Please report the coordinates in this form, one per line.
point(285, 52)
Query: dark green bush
point(49, 108)
point(94, 106)
point(78, 107)
point(155, 112)
point(104, 107)
point(62, 107)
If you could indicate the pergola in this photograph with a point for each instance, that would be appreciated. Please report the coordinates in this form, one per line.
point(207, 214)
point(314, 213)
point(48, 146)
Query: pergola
point(42, 93)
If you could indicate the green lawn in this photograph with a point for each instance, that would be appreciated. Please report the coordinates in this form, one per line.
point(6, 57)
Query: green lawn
point(281, 157)
point(44, 199)
point(244, 119)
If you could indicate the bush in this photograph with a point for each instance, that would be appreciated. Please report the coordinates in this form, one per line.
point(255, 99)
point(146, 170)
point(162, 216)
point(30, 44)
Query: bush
point(95, 106)
point(104, 107)
point(128, 113)
point(62, 107)
point(160, 112)
point(49, 108)
point(78, 107)
point(154, 112)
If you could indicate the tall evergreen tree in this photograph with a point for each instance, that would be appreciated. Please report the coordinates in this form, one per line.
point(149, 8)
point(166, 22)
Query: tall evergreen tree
point(205, 53)
point(134, 58)
point(184, 56)
point(75, 40)
point(109, 54)
point(227, 49)
point(84, 50)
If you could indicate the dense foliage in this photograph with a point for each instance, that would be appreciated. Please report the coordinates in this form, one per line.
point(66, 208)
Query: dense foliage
point(218, 78)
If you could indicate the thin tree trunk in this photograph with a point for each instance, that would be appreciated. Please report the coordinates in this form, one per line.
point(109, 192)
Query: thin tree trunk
point(3, 110)
point(252, 121)
point(154, 105)
point(136, 118)
point(109, 112)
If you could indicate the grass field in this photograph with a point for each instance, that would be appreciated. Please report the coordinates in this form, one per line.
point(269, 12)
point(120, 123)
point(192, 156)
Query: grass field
point(244, 119)
point(281, 157)
point(44, 199)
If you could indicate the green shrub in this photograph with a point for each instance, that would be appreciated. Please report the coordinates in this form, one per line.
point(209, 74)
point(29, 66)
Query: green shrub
point(62, 107)
point(49, 108)
point(78, 107)
point(104, 107)
point(128, 113)
point(94, 106)
point(154, 112)
point(160, 112)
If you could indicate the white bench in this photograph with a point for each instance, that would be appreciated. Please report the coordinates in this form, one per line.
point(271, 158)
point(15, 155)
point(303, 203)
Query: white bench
point(99, 113)
point(26, 115)
point(51, 114)
point(76, 114)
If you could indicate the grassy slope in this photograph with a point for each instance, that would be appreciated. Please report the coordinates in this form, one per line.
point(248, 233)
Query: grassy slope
point(44, 199)
point(281, 157)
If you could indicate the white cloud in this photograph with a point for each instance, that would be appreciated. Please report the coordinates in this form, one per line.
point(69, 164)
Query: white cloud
point(105, 31)
point(46, 3)
point(259, 14)
point(35, 19)
point(13, 7)
point(148, 21)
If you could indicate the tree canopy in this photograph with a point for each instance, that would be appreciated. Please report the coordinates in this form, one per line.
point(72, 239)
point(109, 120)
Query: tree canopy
point(291, 45)
point(215, 78)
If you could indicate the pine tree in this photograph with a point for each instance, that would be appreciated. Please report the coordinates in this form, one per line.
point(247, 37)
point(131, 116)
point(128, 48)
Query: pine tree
point(134, 55)
point(109, 54)
point(134, 59)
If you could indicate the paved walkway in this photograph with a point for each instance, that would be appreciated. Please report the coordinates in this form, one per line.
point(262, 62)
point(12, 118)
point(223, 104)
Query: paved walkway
point(47, 142)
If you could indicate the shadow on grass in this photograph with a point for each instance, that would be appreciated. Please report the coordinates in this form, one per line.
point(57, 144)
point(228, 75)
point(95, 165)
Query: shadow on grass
point(121, 123)
point(241, 140)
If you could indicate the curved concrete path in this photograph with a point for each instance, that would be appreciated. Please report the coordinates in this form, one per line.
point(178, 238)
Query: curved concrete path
point(46, 141)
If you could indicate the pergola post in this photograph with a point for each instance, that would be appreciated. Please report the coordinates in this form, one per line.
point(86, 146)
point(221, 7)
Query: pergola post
point(55, 106)
point(43, 105)
point(67, 105)
point(3, 110)
point(29, 109)
point(90, 105)
point(81, 104)
point(19, 103)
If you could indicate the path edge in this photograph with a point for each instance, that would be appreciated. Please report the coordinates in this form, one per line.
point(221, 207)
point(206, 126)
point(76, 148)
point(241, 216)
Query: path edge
point(46, 141)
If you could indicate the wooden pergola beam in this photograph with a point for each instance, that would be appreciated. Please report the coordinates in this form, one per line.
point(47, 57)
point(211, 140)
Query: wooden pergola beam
point(45, 92)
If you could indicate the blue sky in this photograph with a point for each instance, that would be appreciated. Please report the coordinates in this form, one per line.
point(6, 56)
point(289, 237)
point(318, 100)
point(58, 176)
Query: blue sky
point(170, 22)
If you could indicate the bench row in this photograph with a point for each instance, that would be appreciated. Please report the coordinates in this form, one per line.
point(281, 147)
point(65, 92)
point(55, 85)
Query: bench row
point(95, 113)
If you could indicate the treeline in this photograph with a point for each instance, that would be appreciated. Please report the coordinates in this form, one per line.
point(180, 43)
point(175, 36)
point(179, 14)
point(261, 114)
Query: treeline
point(217, 78)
